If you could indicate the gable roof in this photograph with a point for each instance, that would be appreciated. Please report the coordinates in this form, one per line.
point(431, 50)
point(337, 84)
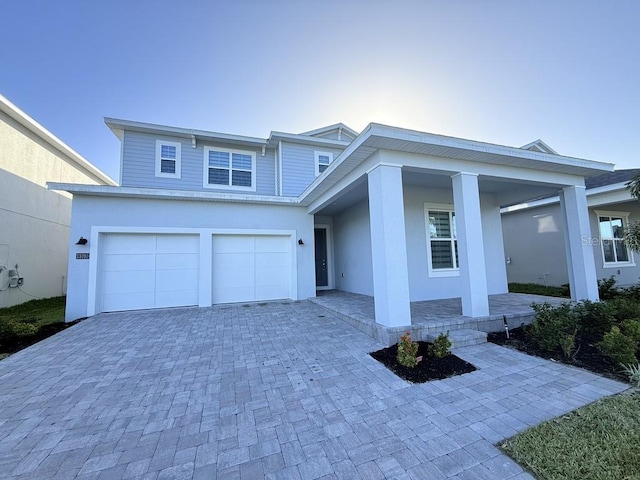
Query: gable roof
point(340, 128)
point(539, 146)
point(46, 136)
point(611, 178)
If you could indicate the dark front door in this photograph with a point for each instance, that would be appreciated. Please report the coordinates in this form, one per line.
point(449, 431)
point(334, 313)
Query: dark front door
point(322, 277)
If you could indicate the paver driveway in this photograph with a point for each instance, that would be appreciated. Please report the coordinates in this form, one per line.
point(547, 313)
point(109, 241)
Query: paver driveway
point(278, 390)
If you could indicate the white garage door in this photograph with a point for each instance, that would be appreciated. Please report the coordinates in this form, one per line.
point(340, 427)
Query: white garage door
point(250, 268)
point(149, 271)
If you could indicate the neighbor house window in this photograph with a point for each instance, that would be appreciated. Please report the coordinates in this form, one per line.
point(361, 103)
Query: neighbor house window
point(611, 228)
point(442, 244)
point(232, 169)
point(323, 159)
point(168, 159)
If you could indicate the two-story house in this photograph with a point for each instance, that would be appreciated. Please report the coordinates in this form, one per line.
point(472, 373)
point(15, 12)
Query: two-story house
point(203, 218)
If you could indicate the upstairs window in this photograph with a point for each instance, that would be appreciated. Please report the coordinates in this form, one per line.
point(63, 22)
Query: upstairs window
point(232, 169)
point(442, 243)
point(611, 227)
point(323, 159)
point(168, 159)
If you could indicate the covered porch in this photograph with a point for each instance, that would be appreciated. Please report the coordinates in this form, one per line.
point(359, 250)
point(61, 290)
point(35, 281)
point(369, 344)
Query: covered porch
point(432, 316)
point(414, 218)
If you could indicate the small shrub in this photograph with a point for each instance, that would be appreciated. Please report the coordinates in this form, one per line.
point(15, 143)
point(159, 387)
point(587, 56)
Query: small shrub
point(407, 351)
point(618, 346)
point(624, 307)
point(607, 288)
point(632, 370)
point(594, 318)
point(551, 326)
point(568, 344)
point(10, 328)
point(441, 346)
point(631, 328)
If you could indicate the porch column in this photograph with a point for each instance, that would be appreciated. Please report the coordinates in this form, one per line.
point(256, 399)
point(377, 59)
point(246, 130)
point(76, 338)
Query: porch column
point(580, 262)
point(388, 246)
point(473, 276)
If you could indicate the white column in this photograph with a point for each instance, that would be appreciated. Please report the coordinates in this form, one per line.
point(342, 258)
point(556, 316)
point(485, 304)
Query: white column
point(580, 262)
point(473, 276)
point(388, 246)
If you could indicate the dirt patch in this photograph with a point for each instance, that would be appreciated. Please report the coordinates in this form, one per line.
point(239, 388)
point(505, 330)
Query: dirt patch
point(430, 368)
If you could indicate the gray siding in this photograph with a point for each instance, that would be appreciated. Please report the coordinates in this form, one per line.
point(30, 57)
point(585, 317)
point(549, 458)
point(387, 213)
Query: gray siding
point(534, 239)
point(298, 167)
point(138, 165)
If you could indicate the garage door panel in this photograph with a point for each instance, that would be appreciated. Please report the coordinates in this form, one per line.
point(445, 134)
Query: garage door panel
point(133, 281)
point(177, 244)
point(271, 259)
point(272, 292)
point(130, 243)
point(176, 297)
point(128, 301)
point(168, 280)
point(117, 263)
point(269, 243)
point(233, 244)
point(177, 261)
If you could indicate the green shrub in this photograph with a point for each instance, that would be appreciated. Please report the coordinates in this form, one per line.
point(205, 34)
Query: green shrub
point(624, 307)
point(607, 288)
point(407, 351)
point(441, 346)
point(594, 318)
point(10, 328)
point(631, 328)
point(552, 325)
point(537, 289)
point(618, 346)
point(568, 344)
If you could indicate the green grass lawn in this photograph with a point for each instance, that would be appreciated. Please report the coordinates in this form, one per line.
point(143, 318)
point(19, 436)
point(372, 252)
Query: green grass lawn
point(598, 442)
point(536, 289)
point(40, 312)
point(30, 322)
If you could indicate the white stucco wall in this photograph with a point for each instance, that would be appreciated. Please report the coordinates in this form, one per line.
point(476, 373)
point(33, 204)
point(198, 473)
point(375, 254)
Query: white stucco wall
point(92, 214)
point(34, 222)
point(352, 239)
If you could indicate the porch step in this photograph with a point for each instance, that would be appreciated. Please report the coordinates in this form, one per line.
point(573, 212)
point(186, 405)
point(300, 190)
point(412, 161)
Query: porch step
point(462, 338)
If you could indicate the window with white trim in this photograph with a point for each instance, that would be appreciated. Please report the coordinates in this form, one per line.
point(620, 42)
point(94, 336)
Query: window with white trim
point(611, 227)
point(168, 159)
point(323, 159)
point(442, 243)
point(230, 169)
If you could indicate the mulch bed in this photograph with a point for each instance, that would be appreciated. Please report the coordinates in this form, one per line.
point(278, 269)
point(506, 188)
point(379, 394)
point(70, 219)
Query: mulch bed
point(586, 356)
point(430, 368)
point(15, 344)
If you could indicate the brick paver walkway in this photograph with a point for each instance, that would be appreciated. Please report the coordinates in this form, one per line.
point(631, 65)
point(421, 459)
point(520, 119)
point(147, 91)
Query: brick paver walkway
point(278, 390)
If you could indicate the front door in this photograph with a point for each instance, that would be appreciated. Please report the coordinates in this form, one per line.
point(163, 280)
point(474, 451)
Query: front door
point(322, 275)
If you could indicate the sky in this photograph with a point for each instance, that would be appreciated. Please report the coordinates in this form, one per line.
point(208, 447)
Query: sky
point(500, 71)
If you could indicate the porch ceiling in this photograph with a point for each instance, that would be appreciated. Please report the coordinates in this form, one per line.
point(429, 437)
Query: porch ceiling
point(507, 192)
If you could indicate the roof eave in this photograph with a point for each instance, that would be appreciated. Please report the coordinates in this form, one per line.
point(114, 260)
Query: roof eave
point(117, 126)
point(37, 129)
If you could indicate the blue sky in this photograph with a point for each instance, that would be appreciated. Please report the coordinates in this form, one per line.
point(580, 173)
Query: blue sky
point(503, 71)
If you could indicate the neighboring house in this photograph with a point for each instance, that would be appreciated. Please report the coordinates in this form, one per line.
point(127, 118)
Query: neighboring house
point(534, 234)
point(34, 222)
point(204, 218)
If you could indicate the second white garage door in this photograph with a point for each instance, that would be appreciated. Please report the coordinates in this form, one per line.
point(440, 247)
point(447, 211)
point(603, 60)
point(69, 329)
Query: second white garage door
point(249, 268)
